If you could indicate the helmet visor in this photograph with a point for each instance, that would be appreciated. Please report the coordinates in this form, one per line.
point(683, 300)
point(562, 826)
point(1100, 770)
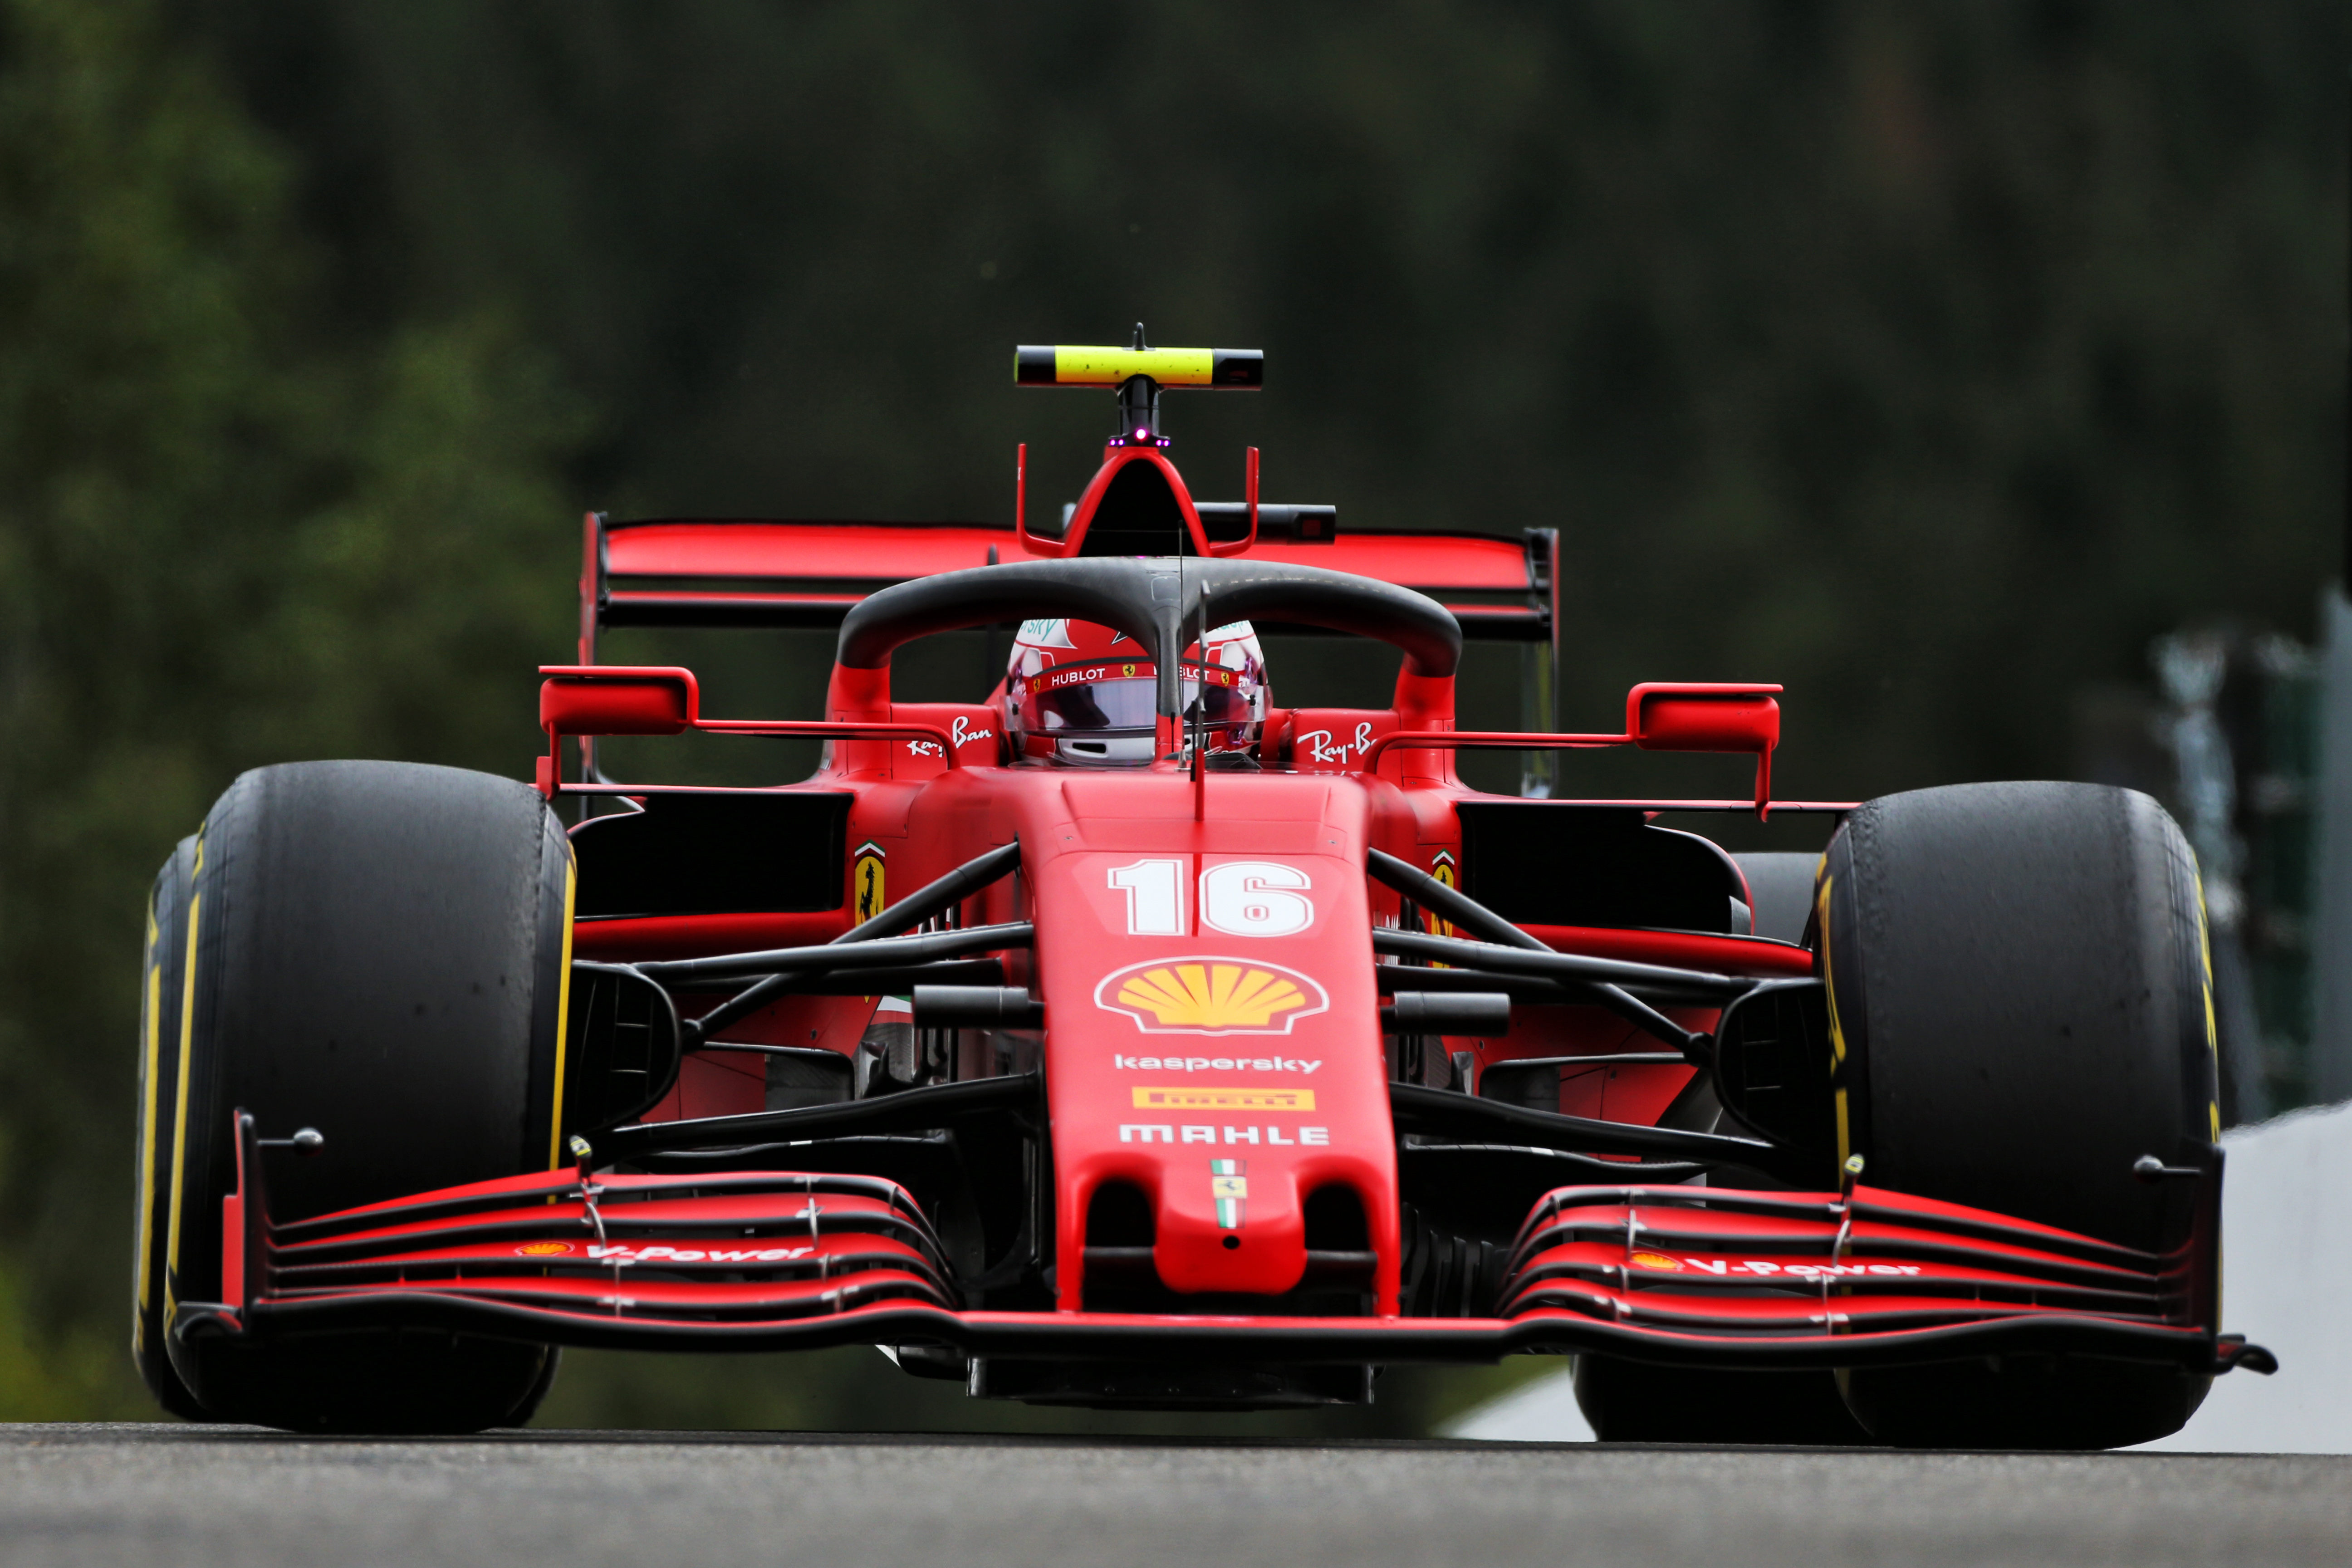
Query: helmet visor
point(1066, 701)
point(1099, 707)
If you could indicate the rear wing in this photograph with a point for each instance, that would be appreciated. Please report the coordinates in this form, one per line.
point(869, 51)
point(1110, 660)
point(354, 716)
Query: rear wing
point(762, 573)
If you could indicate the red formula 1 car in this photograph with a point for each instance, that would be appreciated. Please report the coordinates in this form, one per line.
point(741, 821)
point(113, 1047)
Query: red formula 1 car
point(1123, 1038)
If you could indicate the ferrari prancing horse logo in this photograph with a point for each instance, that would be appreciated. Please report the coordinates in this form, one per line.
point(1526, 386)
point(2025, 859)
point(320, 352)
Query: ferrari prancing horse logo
point(1211, 995)
point(865, 881)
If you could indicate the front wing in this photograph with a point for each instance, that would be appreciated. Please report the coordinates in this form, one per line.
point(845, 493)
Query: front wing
point(768, 1260)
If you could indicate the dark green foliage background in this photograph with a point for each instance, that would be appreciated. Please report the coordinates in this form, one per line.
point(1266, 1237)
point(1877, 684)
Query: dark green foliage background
point(1927, 358)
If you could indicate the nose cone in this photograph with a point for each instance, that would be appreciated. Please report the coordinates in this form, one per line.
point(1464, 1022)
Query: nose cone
point(1214, 1033)
point(1230, 1223)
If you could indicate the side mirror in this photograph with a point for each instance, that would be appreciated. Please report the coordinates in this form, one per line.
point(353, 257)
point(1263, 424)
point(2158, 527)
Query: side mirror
point(1774, 1069)
point(621, 1050)
point(617, 699)
point(1664, 716)
point(1676, 716)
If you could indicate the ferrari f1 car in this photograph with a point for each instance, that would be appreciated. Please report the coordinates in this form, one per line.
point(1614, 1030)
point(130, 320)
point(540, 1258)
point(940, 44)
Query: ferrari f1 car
point(1123, 1038)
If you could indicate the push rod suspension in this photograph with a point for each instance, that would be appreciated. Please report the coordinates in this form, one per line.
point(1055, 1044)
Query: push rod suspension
point(1696, 985)
point(1452, 902)
point(909, 1111)
point(882, 952)
point(1459, 1118)
point(936, 896)
point(1604, 979)
point(1569, 970)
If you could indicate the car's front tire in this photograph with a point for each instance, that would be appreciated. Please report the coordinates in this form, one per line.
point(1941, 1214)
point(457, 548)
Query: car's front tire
point(378, 952)
point(2019, 988)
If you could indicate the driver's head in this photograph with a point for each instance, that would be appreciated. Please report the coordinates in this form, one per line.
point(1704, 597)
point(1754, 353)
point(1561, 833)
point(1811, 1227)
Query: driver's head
point(1083, 695)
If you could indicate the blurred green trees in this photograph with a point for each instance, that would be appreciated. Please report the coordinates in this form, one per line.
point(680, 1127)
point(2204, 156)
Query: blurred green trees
point(1928, 359)
point(231, 532)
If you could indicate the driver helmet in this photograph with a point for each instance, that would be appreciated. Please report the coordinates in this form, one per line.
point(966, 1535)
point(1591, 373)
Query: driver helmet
point(1084, 695)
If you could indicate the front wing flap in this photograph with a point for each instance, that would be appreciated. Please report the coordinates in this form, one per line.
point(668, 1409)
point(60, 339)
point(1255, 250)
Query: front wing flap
point(1831, 1265)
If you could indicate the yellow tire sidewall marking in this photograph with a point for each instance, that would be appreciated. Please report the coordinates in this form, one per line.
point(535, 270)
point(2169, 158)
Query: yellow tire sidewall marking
point(1837, 1030)
point(562, 1013)
point(180, 1092)
point(2212, 1030)
point(151, 1026)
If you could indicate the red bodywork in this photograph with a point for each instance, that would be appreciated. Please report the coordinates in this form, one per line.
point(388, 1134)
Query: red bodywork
point(1204, 953)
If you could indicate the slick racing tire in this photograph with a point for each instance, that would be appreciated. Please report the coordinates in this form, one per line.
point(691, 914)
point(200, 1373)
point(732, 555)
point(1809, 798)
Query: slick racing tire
point(2019, 990)
point(378, 952)
point(163, 972)
point(1635, 1401)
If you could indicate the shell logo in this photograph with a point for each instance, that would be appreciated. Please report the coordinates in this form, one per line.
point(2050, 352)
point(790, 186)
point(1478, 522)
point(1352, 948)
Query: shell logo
point(543, 1249)
point(1211, 995)
point(1658, 1261)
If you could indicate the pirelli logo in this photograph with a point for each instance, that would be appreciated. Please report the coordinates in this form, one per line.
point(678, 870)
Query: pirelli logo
point(1190, 1098)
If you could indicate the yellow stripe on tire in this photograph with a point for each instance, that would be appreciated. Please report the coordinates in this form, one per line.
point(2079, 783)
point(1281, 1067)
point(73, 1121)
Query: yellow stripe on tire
point(151, 1032)
point(179, 1094)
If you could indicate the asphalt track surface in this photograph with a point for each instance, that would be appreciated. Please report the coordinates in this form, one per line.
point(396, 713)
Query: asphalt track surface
point(183, 1495)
